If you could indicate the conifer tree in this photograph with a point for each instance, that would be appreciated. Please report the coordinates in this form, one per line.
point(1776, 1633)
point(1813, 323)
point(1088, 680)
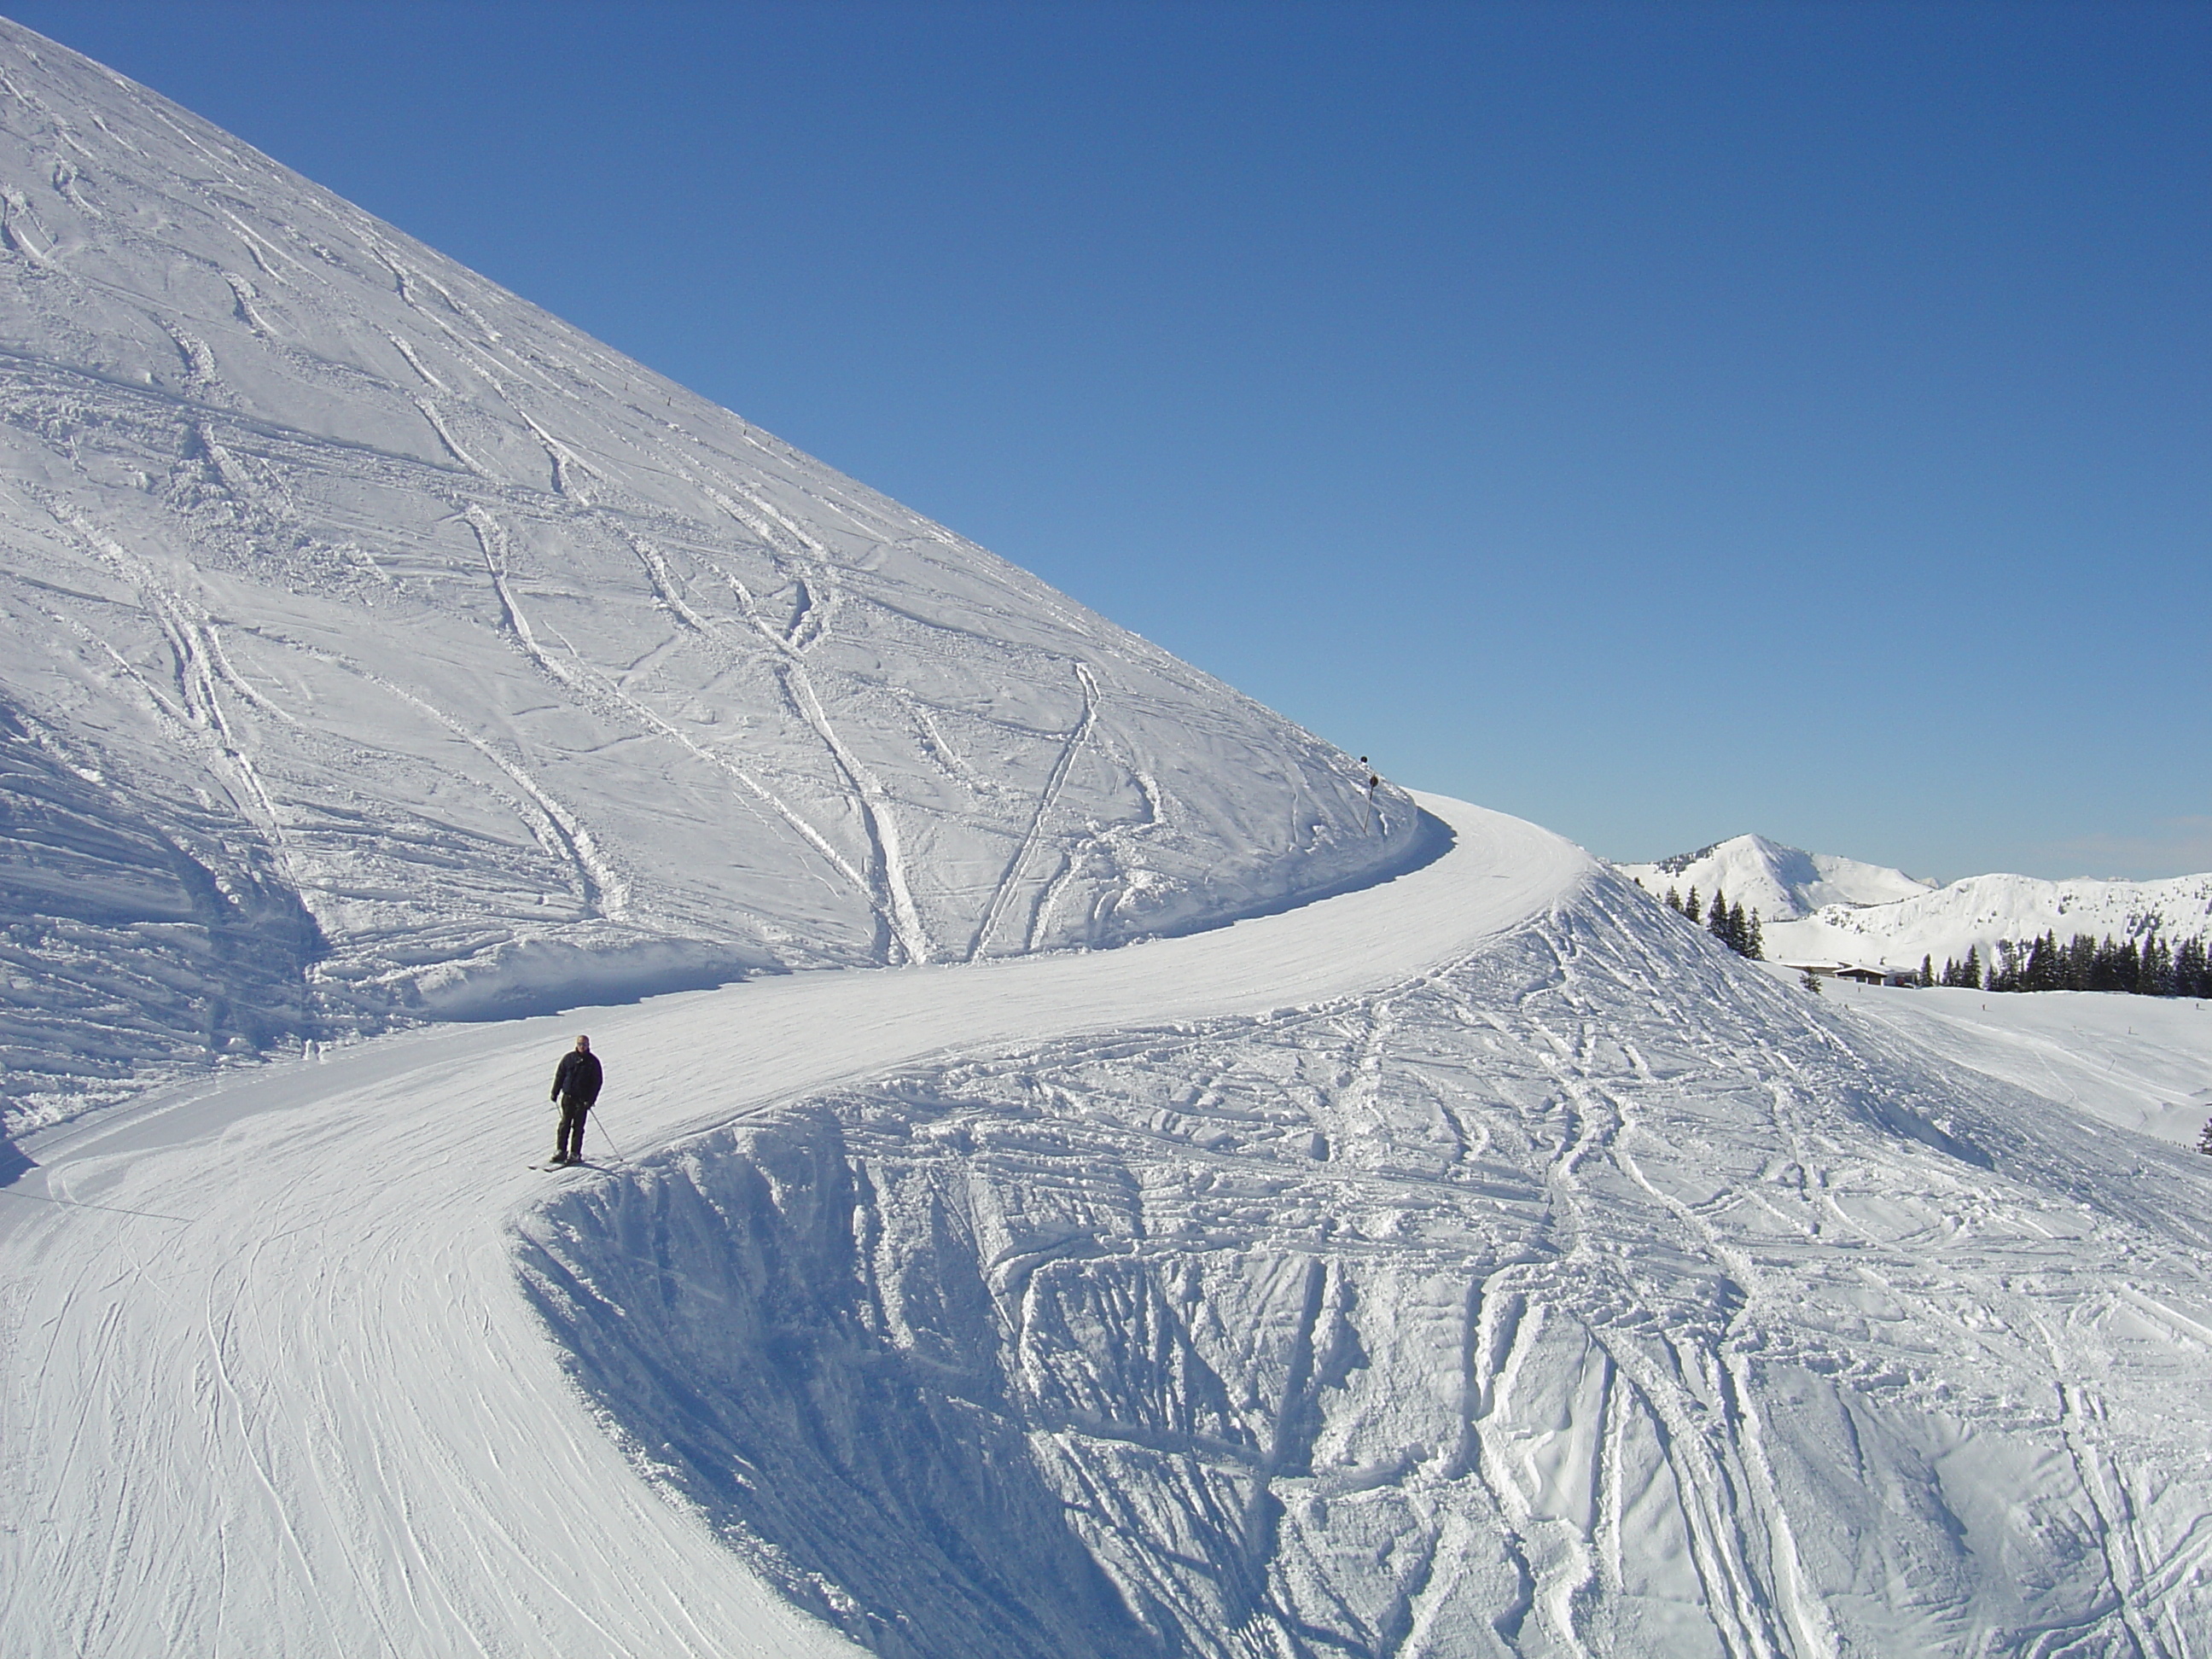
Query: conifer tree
point(1928, 971)
point(1754, 939)
point(2154, 973)
point(2189, 976)
point(2039, 972)
point(1716, 916)
point(1674, 901)
point(2204, 1141)
point(1690, 907)
point(1969, 970)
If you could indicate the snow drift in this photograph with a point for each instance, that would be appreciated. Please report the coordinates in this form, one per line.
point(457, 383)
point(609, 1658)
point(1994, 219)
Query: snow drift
point(378, 646)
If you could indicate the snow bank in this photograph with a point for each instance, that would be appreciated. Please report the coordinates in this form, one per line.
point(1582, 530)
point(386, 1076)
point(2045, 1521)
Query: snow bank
point(1597, 1294)
point(543, 977)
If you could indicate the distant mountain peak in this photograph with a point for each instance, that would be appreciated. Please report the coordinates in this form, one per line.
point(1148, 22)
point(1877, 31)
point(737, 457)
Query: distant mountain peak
point(1781, 882)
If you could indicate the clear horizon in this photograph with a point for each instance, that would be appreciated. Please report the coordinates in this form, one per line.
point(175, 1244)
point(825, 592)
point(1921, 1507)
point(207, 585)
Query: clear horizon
point(1664, 423)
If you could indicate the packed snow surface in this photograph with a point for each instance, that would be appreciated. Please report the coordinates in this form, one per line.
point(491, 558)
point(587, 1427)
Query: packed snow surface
point(374, 646)
point(1484, 1263)
point(1781, 883)
point(2138, 1063)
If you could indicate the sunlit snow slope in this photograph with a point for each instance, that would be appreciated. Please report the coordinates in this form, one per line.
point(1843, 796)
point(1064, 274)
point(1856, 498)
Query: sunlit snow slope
point(1486, 1263)
point(2138, 1063)
point(1979, 911)
point(374, 645)
point(269, 1384)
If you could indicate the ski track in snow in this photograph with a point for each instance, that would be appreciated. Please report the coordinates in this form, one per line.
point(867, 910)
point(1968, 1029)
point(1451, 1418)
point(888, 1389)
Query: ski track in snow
point(1481, 1263)
point(283, 1317)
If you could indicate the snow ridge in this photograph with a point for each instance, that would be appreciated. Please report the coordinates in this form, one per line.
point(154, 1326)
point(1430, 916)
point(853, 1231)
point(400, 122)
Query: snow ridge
point(474, 668)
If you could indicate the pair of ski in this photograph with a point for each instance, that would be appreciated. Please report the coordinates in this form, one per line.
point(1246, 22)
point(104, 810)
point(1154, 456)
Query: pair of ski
point(572, 1164)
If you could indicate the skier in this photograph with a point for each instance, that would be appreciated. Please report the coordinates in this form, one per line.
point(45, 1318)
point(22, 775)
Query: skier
point(575, 1086)
point(1374, 782)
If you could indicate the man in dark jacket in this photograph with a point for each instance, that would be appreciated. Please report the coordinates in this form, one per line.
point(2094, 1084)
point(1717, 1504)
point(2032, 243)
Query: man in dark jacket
point(575, 1086)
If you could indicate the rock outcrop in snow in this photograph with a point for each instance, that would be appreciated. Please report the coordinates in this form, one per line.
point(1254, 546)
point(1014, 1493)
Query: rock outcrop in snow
point(378, 646)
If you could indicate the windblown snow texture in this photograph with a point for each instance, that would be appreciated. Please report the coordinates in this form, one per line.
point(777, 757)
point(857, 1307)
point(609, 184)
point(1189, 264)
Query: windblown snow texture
point(1599, 1294)
point(378, 646)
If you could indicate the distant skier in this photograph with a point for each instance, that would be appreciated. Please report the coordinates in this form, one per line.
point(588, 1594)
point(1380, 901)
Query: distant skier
point(1374, 782)
point(575, 1086)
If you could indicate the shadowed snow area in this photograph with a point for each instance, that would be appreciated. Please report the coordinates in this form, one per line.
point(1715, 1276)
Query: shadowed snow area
point(1596, 1294)
point(380, 647)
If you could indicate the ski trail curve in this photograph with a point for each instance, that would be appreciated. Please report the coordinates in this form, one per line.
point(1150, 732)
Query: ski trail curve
point(323, 1401)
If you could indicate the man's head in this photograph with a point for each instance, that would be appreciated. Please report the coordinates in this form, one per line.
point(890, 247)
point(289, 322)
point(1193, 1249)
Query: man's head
point(583, 1045)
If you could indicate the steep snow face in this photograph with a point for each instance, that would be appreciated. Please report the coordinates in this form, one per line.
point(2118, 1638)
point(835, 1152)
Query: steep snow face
point(378, 646)
point(1781, 883)
point(1981, 910)
point(1598, 1294)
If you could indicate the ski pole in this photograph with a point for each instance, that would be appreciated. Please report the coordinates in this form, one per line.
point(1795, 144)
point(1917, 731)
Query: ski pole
point(604, 1136)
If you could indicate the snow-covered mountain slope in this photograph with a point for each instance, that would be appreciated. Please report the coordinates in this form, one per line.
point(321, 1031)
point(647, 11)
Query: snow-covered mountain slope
point(373, 644)
point(2138, 1063)
point(269, 1382)
point(1981, 910)
point(1781, 883)
point(1486, 1263)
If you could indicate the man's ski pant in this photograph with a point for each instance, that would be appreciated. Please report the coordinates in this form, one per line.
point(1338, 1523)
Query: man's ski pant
point(569, 1137)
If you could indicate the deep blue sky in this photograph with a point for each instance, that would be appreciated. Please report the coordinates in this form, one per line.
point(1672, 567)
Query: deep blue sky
point(1661, 420)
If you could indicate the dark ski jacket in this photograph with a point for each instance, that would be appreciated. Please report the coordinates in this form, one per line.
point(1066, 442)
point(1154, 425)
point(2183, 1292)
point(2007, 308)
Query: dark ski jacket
point(577, 1078)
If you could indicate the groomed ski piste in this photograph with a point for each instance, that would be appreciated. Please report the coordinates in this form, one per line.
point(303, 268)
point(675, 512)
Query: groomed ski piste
point(1484, 1262)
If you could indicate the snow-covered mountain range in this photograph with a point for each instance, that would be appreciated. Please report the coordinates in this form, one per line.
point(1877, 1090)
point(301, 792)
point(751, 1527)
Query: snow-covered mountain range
point(373, 645)
point(1819, 908)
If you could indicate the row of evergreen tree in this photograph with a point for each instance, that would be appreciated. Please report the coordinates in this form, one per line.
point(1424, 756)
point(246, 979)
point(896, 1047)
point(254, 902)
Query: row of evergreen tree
point(1731, 924)
point(2152, 968)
